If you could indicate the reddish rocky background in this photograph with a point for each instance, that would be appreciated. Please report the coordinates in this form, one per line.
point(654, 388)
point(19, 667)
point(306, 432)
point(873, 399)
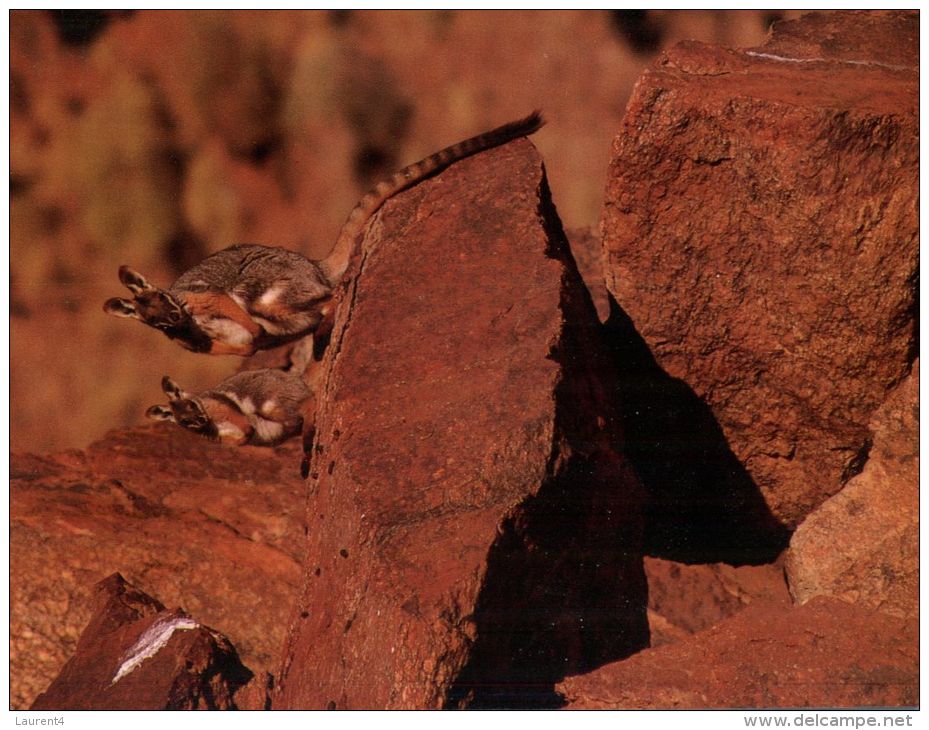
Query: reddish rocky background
point(691, 483)
point(177, 516)
point(152, 138)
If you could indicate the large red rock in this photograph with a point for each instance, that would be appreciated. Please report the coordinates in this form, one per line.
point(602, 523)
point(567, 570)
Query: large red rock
point(474, 530)
point(214, 529)
point(862, 544)
point(761, 232)
point(136, 655)
point(825, 654)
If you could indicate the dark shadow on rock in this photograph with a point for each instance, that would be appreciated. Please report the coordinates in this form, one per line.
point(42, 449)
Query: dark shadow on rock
point(565, 592)
point(702, 505)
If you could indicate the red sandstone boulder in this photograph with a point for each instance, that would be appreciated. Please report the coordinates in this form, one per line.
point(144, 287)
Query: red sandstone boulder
point(215, 529)
point(825, 654)
point(685, 599)
point(135, 655)
point(474, 530)
point(862, 545)
point(761, 232)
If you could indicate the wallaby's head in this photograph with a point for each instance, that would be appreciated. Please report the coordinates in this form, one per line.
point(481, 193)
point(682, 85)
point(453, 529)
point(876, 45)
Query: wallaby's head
point(185, 410)
point(159, 309)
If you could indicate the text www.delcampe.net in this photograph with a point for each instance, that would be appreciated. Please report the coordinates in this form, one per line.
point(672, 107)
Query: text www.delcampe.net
point(816, 720)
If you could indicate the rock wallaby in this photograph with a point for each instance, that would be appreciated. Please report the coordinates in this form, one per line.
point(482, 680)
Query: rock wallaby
point(257, 407)
point(249, 297)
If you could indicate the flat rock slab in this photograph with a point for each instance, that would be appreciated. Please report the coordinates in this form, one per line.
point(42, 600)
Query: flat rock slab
point(136, 655)
point(825, 654)
point(474, 532)
point(214, 529)
point(686, 599)
point(761, 231)
point(862, 545)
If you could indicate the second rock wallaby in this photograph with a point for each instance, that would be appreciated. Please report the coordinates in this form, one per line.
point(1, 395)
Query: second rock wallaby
point(257, 407)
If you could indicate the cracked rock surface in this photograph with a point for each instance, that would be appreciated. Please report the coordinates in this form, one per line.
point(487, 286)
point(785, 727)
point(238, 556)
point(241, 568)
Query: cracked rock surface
point(213, 529)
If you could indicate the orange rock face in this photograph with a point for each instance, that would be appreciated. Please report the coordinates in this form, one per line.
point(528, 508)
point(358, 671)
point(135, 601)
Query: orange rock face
point(760, 230)
point(825, 654)
point(685, 599)
point(474, 530)
point(862, 545)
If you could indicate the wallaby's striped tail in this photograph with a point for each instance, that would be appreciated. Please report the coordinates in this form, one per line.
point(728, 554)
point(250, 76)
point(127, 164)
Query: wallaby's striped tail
point(335, 264)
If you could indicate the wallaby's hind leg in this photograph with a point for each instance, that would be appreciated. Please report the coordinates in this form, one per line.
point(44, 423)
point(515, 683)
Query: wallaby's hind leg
point(279, 318)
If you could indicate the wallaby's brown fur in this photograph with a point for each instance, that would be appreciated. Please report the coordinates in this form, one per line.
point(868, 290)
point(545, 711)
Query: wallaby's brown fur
point(258, 407)
point(249, 297)
point(239, 300)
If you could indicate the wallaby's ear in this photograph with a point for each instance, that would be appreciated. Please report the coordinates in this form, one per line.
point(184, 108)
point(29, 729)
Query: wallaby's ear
point(160, 413)
point(172, 389)
point(133, 280)
point(121, 308)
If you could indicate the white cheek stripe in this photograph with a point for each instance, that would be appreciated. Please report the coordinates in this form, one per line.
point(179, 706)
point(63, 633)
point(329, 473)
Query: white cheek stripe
point(151, 642)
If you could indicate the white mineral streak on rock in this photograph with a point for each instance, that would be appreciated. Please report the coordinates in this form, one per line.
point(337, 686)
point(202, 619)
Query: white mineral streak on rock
point(151, 642)
point(817, 59)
